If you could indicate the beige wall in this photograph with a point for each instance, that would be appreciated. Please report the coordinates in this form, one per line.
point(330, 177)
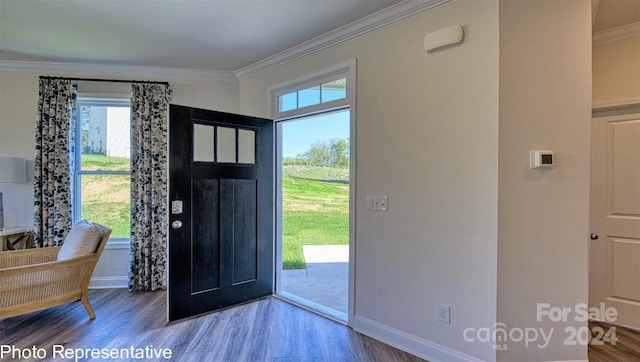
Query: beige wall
point(427, 137)
point(616, 70)
point(545, 103)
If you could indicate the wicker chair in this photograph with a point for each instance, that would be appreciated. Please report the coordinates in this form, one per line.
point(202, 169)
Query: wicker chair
point(34, 279)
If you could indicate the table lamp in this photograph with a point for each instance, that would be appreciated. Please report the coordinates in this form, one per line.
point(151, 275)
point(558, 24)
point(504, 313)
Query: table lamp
point(12, 170)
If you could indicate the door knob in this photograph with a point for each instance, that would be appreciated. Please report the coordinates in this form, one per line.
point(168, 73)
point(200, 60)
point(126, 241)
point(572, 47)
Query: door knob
point(594, 236)
point(176, 224)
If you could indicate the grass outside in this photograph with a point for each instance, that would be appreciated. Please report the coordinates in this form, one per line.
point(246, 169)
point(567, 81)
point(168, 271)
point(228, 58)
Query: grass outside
point(315, 210)
point(315, 204)
point(105, 198)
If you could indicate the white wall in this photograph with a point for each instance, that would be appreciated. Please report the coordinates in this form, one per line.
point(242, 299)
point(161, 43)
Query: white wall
point(545, 103)
point(18, 104)
point(427, 136)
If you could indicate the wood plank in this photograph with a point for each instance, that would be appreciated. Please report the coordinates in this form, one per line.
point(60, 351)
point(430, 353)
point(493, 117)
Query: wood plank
point(626, 348)
point(263, 330)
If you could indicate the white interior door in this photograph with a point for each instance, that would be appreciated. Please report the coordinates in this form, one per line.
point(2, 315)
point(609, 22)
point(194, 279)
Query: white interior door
point(615, 217)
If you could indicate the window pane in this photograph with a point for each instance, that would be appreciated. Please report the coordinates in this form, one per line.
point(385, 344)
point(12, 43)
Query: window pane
point(105, 138)
point(105, 200)
point(334, 90)
point(226, 144)
point(288, 101)
point(309, 97)
point(203, 143)
point(246, 146)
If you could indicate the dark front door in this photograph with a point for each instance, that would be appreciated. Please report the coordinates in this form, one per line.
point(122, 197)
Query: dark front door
point(221, 210)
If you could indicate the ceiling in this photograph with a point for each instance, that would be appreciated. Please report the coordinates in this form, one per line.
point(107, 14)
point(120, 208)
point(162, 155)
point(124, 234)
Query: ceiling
point(613, 13)
point(223, 35)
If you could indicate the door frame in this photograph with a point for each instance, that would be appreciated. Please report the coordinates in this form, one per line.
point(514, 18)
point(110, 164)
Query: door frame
point(348, 70)
point(617, 109)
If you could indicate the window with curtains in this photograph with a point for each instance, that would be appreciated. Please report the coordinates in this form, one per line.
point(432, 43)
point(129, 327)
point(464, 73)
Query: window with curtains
point(101, 190)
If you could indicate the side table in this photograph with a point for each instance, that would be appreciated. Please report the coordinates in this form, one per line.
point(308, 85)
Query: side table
point(8, 232)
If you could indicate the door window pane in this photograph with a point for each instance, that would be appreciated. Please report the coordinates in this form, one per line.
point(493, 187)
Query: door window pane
point(203, 145)
point(246, 146)
point(226, 144)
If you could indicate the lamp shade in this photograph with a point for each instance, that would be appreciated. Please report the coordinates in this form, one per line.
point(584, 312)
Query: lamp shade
point(12, 169)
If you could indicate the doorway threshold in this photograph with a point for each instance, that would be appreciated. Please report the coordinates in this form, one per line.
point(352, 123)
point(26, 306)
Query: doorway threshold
point(319, 309)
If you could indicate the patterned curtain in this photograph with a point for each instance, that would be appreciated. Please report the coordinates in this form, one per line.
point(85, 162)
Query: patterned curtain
point(55, 131)
point(149, 115)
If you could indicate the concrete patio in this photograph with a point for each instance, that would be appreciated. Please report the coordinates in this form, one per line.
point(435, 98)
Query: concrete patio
point(325, 281)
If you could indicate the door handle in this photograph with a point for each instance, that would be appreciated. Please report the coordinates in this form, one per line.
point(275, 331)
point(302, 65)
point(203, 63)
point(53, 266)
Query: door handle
point(594, 236)
point(176, 224)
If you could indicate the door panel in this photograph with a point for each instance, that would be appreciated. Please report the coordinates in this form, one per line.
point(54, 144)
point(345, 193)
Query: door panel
point(222, 254)
point(206, 247)
point(615, 217)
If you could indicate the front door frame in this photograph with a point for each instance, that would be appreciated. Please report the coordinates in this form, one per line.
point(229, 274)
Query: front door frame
point(347, 70)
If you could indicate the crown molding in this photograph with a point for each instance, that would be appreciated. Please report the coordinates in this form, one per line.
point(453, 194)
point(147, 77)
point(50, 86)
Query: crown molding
point(369, 23)
point(117, 70)
point(618, 33)
point(616, 104)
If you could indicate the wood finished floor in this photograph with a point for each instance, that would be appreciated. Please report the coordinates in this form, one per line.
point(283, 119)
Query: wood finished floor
point(626, 349)
point(265, 330)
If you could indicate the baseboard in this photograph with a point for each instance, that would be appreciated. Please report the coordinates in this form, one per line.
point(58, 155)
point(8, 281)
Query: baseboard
point(109, 282)
point(417, 346)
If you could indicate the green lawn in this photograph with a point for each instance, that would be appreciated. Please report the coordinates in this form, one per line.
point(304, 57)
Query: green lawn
point(105, 198)
point(315, 211)
point(95, 162)
point(315, 204)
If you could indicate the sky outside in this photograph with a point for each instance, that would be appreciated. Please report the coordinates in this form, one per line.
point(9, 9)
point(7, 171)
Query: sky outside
point(299, 135)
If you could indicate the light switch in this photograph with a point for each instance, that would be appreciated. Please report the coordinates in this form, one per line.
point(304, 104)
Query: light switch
point(377, 203)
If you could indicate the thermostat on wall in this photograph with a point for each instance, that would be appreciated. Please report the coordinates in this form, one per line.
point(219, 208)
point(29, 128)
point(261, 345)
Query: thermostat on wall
point(541, 159)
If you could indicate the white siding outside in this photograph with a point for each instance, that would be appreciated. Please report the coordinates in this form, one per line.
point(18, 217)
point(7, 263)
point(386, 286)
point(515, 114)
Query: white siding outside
point(118, 132)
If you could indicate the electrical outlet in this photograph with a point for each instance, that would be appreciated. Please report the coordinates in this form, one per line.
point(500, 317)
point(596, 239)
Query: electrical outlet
point(377, 203)
point(443, 313)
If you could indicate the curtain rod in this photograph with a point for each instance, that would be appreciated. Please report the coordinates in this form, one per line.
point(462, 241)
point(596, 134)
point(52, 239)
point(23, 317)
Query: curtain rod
point(106, 80)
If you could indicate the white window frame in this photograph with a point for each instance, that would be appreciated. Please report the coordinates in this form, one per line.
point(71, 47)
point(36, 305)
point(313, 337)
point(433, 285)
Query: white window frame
point(346, 70)
point(340, 72)
point(103, 100)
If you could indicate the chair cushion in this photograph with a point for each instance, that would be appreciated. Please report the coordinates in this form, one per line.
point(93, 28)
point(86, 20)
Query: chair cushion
point(82, 240)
